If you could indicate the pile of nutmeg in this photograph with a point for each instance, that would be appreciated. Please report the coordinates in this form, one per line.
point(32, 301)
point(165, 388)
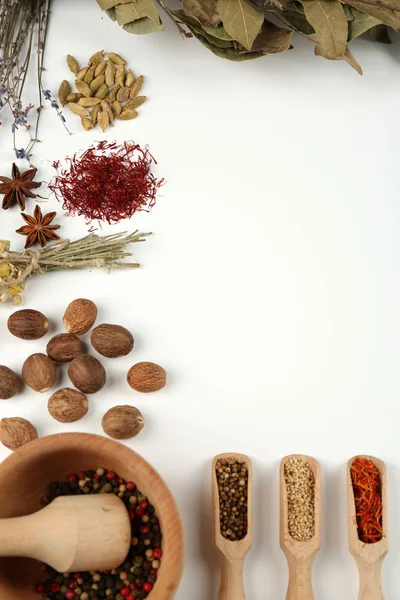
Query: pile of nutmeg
point(86, 373)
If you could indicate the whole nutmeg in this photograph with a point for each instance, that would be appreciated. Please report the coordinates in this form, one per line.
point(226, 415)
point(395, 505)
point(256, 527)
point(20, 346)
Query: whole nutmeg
point(80, 316)
point(16, 432)
point(87, 374)
point(123, 422)
point(39, 372)
point(10, 383)
point(28, 324)
point(111, 340)
point(68, 405)
point(147, 377)
point(64, 347)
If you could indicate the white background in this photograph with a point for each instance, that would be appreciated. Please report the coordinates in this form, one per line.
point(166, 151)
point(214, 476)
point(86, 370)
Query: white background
point(269, 291)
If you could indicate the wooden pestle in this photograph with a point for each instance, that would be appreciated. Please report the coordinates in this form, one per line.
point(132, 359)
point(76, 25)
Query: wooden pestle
point(233, 553)
point(369, 557)
point(300, 555)
point(73, 533)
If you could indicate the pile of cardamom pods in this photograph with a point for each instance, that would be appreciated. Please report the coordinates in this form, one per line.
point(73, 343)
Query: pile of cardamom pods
point(246, 29)
point(106, 90)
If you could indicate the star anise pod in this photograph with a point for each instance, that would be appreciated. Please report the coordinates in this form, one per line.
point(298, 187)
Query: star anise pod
point(38, 228)
point(18, 188)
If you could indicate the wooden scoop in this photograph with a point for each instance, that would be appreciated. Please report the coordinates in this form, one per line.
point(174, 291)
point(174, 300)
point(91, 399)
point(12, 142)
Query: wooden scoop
point(369, 557)
point(233, 553)
point(73, 533)
point(300, 555)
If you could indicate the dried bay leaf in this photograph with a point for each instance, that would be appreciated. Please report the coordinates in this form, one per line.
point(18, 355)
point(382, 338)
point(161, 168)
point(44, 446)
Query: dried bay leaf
point(144, 26)
point(107, 4)
point(360, 23)
point(218, 32)
point(272, 39)
point(380, 33)
point(83, 88)
point(330, 24)
point(205, 13)
point(388, 13)
point(192, 23)
point(227, 53)
point(242, 20)
point(297, 20)
point(126, 13)
point(348, 57)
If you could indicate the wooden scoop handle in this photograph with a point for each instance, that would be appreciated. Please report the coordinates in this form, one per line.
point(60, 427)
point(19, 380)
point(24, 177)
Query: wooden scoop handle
point(300, 584)
point(232, 587)
point(370, 580)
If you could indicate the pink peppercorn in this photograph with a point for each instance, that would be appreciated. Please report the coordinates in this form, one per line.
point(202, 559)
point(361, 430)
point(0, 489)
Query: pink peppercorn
point(140, 512)
point(130, 486)
point(121, 481)
point(76, 575)
point(40, 588)
point(147, 587)
point(55, 588)
point(81, 475)
point(125, 591)
point(131, 514)
point(110, 475)
point(73, 585)
point(72, 477)
point(133, 586)
point(130, 597)
point(157, 553)
point(96, 476)
point(144, 529)
point(69, 595)
point(43, 567)
point(144, 505)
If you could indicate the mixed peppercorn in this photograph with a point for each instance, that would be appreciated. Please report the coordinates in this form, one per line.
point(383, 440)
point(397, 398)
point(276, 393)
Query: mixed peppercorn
point(135, 578)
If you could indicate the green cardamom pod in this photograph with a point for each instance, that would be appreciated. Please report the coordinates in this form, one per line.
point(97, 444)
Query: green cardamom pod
point(78, 109)
point(110, 73)
point(130, 78)
point(72, 64)
point(96, 59)
point(81, 74)
point(102, 91)
point(107, 108)
point(87, 123)
point(127, 115)
point(136, 86)
point(96, 83)
point(94, 114)
point(74, 97)
point(100, 69)
point(113, 94)
point(117, 108)
point(89, 102)
point(120, 75)
point(117, 60)
point(63, 92)
point(89, 76)
point(83, 87)
point(123, 94)
point(135, 102)
point(103, 120)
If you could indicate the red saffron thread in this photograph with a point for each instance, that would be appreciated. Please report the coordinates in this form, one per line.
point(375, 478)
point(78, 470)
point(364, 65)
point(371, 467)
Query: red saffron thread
point(367, 488)
point(107, 182)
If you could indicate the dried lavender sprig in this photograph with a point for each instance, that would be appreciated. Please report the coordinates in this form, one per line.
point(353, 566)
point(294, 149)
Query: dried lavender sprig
point(23, 23)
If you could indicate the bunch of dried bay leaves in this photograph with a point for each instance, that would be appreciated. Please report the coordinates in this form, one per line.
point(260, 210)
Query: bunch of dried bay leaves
point(246, 29)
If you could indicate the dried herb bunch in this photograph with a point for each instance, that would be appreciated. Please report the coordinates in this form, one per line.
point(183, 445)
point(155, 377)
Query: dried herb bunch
point(246, 29)
point(107, 251)
point(23, 32)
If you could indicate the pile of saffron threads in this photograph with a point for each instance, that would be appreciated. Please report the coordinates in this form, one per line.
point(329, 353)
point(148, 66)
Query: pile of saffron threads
point(107, 182)
point(367, 488)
